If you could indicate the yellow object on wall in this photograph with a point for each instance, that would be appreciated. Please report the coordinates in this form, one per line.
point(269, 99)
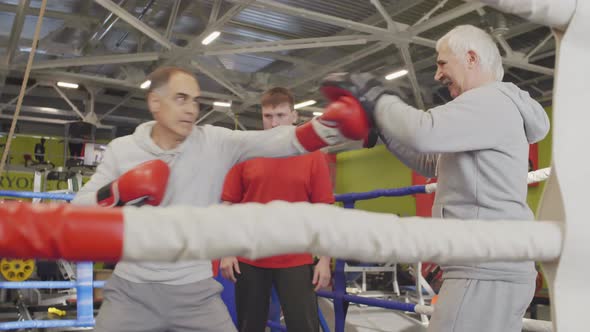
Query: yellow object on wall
point(16, 269)
point(371, 169)
point(56, 312)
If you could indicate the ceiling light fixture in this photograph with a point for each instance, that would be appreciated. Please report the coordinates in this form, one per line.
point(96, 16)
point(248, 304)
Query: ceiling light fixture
point(222, 104)
point(304, 104)
point(212, 36)
point(67, 85)
point(396, 74)
point(146, 84)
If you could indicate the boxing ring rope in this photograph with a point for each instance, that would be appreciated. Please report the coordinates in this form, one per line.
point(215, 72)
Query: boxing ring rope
point(534, 176)
point(560, 244)
point(340, 296)
point(341, 299)
point(564, 197)
point(83, 284)
point(39, 195)
point(349, 198)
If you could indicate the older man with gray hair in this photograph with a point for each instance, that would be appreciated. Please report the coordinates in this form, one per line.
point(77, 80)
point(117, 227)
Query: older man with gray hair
point(477, 145)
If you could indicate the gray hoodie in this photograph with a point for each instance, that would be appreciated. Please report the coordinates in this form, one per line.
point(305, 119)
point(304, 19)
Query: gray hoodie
point(477, 146)
point(198, 168)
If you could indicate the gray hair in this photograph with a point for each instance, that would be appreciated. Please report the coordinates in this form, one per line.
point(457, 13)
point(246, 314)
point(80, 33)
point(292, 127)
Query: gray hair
point(465, 38)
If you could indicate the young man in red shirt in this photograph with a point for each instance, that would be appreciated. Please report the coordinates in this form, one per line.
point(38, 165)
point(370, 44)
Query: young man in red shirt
point(296, 179)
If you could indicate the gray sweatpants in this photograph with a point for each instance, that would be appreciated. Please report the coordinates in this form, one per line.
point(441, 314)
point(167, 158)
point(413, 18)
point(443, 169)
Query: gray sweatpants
point(468, 305)
point(154, 307)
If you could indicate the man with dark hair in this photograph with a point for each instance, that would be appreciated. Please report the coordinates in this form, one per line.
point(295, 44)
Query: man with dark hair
point(296, 179)
point(168, 162)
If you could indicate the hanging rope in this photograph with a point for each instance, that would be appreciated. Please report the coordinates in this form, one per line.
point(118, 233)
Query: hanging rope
point(23, 86)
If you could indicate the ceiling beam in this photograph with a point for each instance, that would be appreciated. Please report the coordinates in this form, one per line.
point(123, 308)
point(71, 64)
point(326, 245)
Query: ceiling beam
point(49, 111)
point(194, 43)
point(125, 99)
point(135, 22)
point(346, 60)
point(523, 64)
point(77, 95)
point(394, 9)
point(316, 16)
point(288, 58)
point(218, 24)
point(80, 20)
point(51, 75)
point(71, 116)
point(384, 34)
point(218, 77)
point(445, 17)
point(391, 25)
point(172, 19)
point(96, 60)
point(214, 12)
point(291, 44)
point(132, 100)
point(17, 28)
point(540, 45)
point(412, 76)
point(227, 116)
point(521, 29)
point(368, 31)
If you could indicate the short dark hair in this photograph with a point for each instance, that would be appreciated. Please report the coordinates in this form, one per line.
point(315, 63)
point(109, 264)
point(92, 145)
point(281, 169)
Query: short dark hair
point(276, 96)
point(161, 76)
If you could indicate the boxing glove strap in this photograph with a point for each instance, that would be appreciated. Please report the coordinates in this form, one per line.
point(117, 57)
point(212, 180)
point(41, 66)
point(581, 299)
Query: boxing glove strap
point(108, 195)
point(328, 131)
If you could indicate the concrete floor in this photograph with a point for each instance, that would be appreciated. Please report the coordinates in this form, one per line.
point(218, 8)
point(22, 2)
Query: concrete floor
point(372, 319)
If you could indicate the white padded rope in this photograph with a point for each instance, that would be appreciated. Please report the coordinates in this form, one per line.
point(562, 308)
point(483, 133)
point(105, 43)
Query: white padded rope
point(533, 325)
point(539, 175)
point(533, 177)
point(256, 230)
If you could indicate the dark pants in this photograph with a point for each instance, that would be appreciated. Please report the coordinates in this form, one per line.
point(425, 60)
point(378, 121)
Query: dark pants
point(296, 295)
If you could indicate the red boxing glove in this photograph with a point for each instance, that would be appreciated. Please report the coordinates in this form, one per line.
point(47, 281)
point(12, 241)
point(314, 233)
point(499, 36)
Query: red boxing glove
point(145, 183)
point(343, 120)
point(365, 88)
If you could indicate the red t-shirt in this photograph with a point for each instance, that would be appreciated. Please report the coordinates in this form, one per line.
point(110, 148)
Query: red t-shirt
point(304, 178)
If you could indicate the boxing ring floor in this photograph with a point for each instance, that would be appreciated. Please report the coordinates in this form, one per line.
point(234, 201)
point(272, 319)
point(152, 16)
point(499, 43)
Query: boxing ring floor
point(374, 319)
point(366, 319)
point(362, 318)
point(359, 319)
